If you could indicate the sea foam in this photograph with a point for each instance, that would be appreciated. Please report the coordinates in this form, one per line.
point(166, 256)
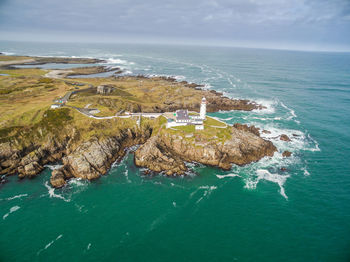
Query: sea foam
point(52, 193)
point(263, 174)
point(12, 209)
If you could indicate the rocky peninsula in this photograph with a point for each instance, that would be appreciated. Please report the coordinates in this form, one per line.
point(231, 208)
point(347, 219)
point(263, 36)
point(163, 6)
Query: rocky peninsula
point(32, 134)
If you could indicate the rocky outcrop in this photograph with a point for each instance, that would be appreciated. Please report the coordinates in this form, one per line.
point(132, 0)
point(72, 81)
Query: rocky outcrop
point(166, 152)
point(93, 158)
point(251, 129)
point(284, 137)
point(29, 160)
point(286, 154)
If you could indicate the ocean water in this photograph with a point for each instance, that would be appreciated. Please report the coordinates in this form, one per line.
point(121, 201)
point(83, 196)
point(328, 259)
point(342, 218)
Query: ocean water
point(251, 213)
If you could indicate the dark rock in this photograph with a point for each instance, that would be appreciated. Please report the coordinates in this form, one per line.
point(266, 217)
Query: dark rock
point(284, 137)
point(266, 132)
point(251, 129)
point(286, 154)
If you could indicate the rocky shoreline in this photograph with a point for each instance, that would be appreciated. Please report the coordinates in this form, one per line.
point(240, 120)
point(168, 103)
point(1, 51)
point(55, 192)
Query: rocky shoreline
point(168, 153)
point(87, 148)
point(160, 152)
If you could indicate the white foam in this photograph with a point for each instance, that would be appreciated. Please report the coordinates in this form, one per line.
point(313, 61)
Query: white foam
point(17, 196)
point(263, 174)
point(12, 209)
point(228, 175)
point(316, 148)
point(7, 53)
point(226, 119)
point(49, 244)
point(299, 141)
point(231, 83)
point(208, 190)
point(52, 193)
point(88, 246)
point(78, 182)
point(174, 204)
point(119, 61)
point(53, 167)
point(291, 112)
point(207, 86)
point(126, 173)
point(180, 77)
point(306, 173)
point(268, 104)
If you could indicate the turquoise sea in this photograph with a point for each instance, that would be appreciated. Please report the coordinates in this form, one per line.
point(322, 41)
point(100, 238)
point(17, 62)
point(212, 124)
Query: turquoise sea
point(251, 213)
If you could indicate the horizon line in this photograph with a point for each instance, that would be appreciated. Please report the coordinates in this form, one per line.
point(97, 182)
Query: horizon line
point(204, 44)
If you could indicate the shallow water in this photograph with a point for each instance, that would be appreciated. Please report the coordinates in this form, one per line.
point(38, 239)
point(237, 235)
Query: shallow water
point(251, 213)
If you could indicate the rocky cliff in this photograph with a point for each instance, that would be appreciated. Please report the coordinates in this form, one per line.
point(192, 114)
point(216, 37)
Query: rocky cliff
point(93, 158)
point(168, 152)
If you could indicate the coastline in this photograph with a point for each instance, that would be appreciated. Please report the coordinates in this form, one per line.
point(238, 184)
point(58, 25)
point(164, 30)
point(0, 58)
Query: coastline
point(87, 147)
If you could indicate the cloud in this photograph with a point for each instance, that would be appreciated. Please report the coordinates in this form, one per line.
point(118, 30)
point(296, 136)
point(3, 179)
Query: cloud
point(244, 20)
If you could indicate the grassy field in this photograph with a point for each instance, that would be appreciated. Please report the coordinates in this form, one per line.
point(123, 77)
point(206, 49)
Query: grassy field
point(210, 132)
point(26, 96)
point(213, 122)
point(13, 58)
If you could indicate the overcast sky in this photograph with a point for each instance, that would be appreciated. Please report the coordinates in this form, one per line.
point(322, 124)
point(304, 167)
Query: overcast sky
point(291, 24)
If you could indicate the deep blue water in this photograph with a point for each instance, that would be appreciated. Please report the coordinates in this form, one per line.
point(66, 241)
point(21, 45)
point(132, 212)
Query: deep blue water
point(251, 213)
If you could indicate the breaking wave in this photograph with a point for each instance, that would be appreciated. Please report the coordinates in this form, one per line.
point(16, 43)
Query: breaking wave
point(228, 175)
point(263, 174)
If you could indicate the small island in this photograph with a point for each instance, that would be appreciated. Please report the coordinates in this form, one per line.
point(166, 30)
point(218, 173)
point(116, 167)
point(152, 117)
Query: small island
point(87, 123)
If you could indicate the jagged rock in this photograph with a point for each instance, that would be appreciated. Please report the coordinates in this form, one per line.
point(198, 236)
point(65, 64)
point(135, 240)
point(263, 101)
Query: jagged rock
point(266, 132)
point(251, 129)
point(286, 154)
point(57, 179)
point(158, 158)
point(93, 158)
point(284, 137)
point(166, 152)
point(31, 169)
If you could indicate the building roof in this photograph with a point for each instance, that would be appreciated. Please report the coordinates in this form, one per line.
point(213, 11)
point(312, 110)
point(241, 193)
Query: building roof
point(182, 114)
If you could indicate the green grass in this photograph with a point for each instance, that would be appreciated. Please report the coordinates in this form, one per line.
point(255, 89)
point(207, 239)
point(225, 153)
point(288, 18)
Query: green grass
point(213, 122)
point(186, 129)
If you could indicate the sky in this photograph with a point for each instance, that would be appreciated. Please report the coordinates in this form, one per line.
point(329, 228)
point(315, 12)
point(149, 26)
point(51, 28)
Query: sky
point(278, 24)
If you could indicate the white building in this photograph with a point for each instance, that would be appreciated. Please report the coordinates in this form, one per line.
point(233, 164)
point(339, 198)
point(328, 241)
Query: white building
point(203, 111)
point(182, 117)
point(55, 106)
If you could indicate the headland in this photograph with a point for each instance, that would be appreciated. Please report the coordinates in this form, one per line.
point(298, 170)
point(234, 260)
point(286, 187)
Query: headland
point(87, 123)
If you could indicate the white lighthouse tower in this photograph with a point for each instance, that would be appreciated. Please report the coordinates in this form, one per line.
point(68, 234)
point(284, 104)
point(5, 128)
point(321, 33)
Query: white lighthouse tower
point(203, 110)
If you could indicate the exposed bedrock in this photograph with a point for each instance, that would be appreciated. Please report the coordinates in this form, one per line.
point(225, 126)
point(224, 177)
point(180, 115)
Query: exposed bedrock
point(30, 159)
point(166, 152)
point(93, 158)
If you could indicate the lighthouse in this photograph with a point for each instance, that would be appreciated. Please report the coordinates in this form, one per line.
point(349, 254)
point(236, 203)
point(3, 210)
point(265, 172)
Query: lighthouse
point(203, 110)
